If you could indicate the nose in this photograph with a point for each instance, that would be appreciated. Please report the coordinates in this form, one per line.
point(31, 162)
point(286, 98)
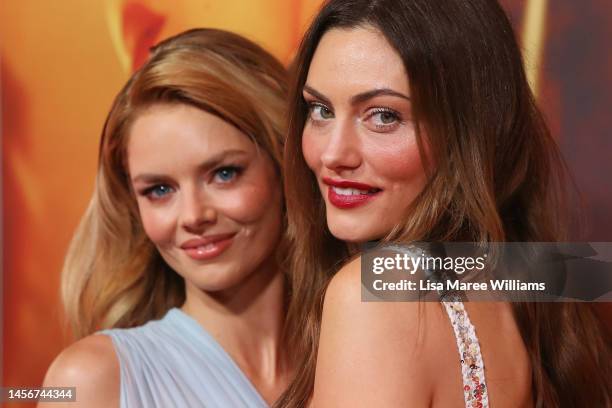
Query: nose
point(342, 150)
point(196, 213)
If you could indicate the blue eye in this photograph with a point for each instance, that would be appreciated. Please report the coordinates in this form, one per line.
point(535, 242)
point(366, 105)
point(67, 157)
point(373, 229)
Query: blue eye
point(158, 191)
point(227, 174)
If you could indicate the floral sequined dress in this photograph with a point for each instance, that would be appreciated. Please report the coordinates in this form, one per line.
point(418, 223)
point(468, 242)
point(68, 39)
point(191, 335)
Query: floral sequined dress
point(475, 392)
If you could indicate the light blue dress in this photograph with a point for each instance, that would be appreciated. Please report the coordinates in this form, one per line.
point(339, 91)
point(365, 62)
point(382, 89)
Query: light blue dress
point(174, 362)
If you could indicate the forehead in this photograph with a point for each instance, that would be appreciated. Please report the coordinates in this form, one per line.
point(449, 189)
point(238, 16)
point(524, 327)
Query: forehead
point(171, 135)
point(350, 61)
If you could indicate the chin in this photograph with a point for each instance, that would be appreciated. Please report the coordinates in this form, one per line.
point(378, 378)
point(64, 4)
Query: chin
point(213, 277)
point(352, 232)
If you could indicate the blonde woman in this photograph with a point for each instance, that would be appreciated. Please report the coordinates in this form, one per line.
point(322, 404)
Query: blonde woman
point(175, 260)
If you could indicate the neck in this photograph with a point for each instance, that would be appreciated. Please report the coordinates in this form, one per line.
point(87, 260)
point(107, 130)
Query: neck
point(247, 320)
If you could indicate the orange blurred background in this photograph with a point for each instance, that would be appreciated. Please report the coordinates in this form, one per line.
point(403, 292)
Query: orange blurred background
point(63, 62)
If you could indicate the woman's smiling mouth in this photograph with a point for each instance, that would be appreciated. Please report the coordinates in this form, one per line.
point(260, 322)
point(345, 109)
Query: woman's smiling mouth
point(208, 247)
point(346, 194)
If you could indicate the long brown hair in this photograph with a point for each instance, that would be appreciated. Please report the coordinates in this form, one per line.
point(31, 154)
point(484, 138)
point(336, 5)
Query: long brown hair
point(113, 276)
point(499, 176)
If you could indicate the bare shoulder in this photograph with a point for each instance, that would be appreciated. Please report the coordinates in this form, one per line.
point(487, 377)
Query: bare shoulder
point(345, 286)
point(374, 353)
point(343, 301)
point(92, 367)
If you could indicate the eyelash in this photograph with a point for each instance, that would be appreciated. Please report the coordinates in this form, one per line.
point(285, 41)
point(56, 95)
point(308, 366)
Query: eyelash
point(151, 192)
point(376, 111)
point(234, 168)
point(311, 106)
point(386, 127)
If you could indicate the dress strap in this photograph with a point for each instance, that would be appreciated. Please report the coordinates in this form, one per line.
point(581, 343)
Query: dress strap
point(475, 391)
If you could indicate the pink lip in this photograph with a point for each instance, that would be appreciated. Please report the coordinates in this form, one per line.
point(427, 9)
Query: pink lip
point(208, 247)
point(349, 201)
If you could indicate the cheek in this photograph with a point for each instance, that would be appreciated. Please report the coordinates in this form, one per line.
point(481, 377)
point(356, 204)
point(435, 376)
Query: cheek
point(258, 210)
point(397, 162)
point(252, 202)
point(244, 205)
point(311, 149)
point(157, 223)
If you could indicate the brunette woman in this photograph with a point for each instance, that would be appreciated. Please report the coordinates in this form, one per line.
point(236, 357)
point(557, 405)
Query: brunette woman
point(412, 120)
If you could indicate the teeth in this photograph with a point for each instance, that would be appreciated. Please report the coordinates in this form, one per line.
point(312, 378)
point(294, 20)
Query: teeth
point(206, 247)
point(349, 191)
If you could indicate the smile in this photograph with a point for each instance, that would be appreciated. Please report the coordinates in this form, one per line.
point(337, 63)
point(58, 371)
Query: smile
point(208, 247)
point(346, 194)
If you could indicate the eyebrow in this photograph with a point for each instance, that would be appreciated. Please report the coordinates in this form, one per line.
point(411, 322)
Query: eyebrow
point(359, 98)
point(207, 165)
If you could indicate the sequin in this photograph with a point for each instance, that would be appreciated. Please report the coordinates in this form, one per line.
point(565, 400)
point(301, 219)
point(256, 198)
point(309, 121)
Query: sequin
point(472, 368)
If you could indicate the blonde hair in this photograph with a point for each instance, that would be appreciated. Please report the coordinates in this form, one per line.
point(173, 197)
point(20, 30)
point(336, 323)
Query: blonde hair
point(113, 276)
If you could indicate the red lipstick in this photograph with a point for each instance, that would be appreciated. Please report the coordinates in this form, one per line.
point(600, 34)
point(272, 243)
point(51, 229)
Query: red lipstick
point(347, 194)
point(208, 247)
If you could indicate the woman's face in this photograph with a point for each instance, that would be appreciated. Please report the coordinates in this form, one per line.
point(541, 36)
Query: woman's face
point(209, 199)
point(359, 139)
